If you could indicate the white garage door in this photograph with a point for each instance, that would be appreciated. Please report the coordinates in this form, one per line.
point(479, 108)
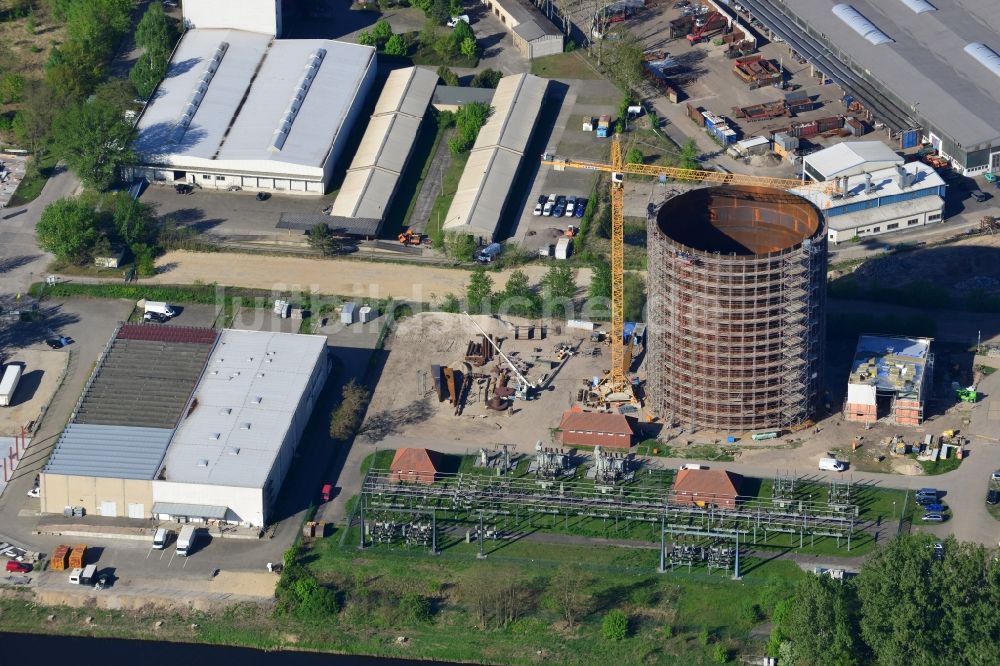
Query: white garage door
point(136, 511)
point(109, 509)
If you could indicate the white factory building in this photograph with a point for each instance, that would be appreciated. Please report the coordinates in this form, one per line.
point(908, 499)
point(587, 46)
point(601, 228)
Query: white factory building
point(874, 191)
point(252, 15)
point(187, 424)
point(239, 108)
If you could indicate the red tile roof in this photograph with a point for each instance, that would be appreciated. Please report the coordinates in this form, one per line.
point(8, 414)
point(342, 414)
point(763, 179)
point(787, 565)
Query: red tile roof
point(707, 482)
point(415, 465)
point(596, 422)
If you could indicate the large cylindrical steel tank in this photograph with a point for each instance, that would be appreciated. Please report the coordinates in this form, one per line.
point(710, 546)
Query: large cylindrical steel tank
point(737, 292)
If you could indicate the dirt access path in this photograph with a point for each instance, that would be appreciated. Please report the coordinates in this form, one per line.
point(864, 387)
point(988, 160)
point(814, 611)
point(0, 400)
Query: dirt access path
point(342, 277)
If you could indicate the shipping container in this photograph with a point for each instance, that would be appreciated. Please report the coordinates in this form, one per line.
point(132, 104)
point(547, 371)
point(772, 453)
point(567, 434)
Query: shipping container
point(827, 124)
point(59, 558)
point(78, 556)
point(695, 114)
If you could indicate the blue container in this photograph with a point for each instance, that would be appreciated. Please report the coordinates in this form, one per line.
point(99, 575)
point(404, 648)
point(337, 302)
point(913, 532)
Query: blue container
point(730, 440)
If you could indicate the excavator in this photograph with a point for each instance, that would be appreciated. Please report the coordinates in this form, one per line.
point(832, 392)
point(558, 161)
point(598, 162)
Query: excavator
point(616, 386)
point(410, 237)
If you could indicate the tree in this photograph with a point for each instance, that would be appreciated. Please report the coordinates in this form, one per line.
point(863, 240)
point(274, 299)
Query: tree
point(68, 229)
point(469, 47)
point(439, 11)
point(381, 31)
point(821, 621)
point(346, 418)
point(11, 88)
point(518, 297)
point(633, 156)
point(321, 238)
point(488, 78)
point(449, 77)
point(654, 120)
point(689, 155)
point(155, 31)
point(95, 141)
point(479, 292)
point(462, 32)
point(600, 281)
point(558, 286)
point(365, 38)
point(459, 246)
point(147, 72)
point(469, 119)
point(133, 221)
point(635, 297)
point(33, 123)
point(572, 601)
point(396, 46)
point(624, 61)
point(614, 625)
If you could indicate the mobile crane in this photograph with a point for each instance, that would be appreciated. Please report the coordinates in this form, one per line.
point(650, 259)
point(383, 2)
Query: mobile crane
point(616, 387)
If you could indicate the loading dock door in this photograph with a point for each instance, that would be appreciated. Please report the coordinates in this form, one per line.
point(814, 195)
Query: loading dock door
point(109, 509)
point(136, 511)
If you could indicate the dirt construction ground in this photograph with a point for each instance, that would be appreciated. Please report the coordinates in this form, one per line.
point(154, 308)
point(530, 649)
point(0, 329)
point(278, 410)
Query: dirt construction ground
point(341, 277)
point(39, 381)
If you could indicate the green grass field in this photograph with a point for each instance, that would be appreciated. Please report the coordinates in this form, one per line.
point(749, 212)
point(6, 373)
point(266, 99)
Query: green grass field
point(439, 213)
point(563, 66)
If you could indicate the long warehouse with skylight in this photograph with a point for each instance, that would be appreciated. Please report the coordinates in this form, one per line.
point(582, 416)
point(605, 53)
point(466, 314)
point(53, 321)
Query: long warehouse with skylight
point(928, 69)
point(242, 109)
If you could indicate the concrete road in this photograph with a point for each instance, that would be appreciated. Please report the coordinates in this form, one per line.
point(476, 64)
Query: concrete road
point(21, 260)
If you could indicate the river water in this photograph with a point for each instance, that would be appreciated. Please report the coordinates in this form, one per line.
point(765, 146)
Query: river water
point(36, 649)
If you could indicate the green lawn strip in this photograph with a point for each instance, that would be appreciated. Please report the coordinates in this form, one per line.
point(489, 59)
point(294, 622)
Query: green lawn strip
point(563, 66)
point(439, 212)
point(33, 182)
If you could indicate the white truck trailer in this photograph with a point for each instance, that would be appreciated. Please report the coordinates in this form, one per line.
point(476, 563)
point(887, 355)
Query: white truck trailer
point(11, 377)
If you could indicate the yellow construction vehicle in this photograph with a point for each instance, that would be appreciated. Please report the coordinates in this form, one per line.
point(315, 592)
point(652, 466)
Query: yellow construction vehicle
point(616, 386)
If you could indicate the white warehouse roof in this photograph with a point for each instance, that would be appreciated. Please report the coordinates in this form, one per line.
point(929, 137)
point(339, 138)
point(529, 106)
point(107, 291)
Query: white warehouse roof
point(496, 157)
point(850, 158)
point(378, 164)
point(243, 407)
point(245, 101)
point(885, 182)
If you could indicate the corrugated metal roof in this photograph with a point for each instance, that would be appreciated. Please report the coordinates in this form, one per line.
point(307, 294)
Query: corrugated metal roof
point(258, 85)
point(482, 192)
point(246, 401)
point(927, 67)
point(405, 91)
point(850, 157)
point(116, 452)
point(385, 149)
point(516, 104)
point(175, 509)
point(861, 25)
point(496, 156)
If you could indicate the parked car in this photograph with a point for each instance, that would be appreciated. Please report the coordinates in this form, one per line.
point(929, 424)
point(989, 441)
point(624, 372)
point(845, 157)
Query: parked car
point(581, 206)
point(538, 209)
point(993, 497)
point(927, 496)
point(932, 517)
point(455, 20)
point(35, 492)
point(981, 196)
point(102, 582)
point(570, 206)
point(542, 198)
point(263, 196)
point(995, 476)
point(183, 188)
point(693, 466)
point(13, 566)
point(59, 343)
point(327, 492)
point(934, 508)
point(158, 317)
point(560, 207)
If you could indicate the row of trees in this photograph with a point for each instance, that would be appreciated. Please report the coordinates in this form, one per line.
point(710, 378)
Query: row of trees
point(382, 38)
point(469, 119)
point(487, 78)
point(905, 607)
point(156, 34)
point(518, 297)
point(449, 43)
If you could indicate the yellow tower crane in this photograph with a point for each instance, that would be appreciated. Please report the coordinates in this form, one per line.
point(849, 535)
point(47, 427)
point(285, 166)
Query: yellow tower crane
point(616, 386)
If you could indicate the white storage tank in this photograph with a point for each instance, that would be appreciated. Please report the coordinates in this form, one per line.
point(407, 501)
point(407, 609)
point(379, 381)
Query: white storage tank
point(348, 313)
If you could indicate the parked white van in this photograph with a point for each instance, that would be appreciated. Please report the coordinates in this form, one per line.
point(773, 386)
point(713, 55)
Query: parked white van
point(160, 538)
point(159, 307)
point(832, 465)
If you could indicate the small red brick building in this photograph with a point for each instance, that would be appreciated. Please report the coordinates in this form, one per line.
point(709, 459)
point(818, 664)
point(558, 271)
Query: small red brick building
point(707, 487)
point(415, 466)
point(596, 429)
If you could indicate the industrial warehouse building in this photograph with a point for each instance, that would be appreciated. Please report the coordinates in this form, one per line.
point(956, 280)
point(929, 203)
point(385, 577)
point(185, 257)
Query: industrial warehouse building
point(378, 165)
point(187, 424)
point(253, 15)
point(890, 378)
point(534, 35)
point(485, 187)
point(927, 70)
point(242, 109)
point(875, 191)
